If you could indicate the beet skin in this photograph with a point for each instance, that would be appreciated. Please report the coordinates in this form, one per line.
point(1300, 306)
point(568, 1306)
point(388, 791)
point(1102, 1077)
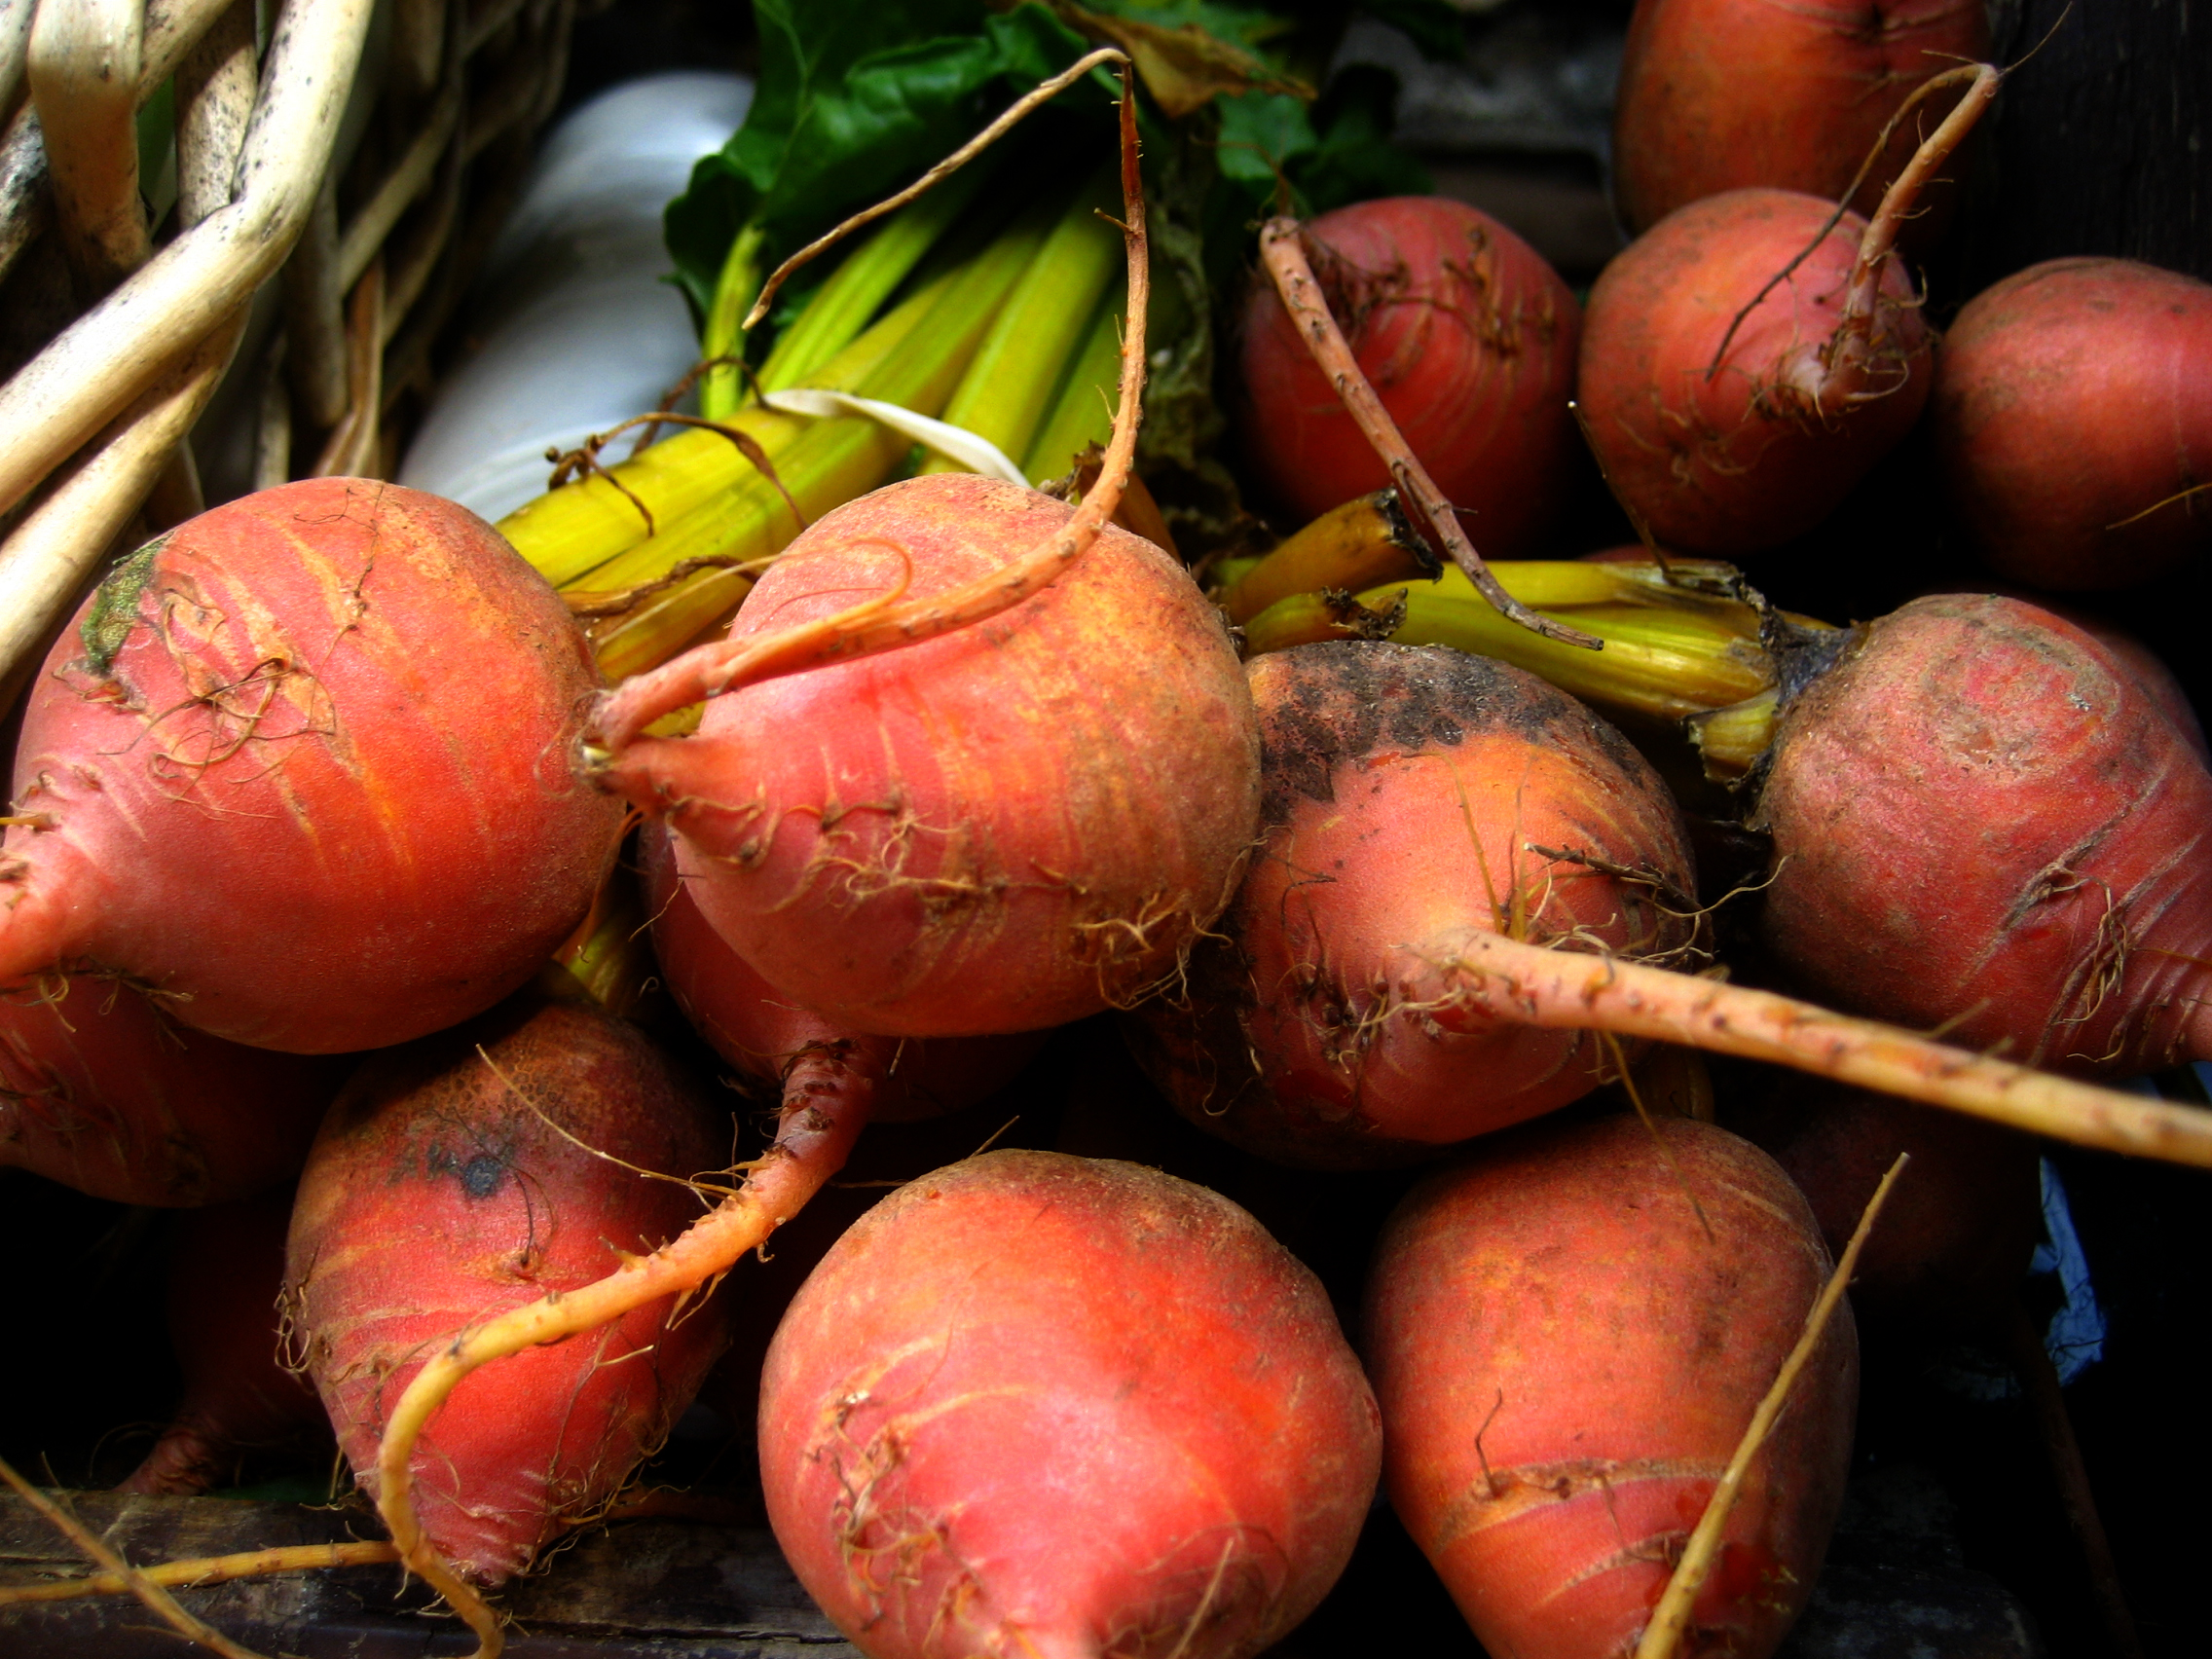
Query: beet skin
point(1982, 822)
point(441, 1191)
point(1567, 1360)
point(1067, 1407)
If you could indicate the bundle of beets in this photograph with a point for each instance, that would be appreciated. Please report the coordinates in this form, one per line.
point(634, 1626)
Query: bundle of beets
point(314, 785)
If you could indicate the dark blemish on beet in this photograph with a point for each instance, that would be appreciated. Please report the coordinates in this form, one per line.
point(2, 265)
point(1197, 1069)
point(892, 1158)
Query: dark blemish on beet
point(480, 1175)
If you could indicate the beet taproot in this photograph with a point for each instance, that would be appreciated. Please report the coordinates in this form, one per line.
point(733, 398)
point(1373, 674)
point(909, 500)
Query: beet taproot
point(302, 765)
point(1048, 1405)
point(467, 1174)
point(1569, 1333)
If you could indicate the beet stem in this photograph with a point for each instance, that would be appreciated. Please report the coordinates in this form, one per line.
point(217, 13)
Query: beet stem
point(1282, 250)
point(1663, 1636)
point(883, 623)
point(1533, 985)
point(1043, 92)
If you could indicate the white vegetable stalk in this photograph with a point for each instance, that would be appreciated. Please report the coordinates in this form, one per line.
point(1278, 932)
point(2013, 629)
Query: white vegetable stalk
point(955, 443)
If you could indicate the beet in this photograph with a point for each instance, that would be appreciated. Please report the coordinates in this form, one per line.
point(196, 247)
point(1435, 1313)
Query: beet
point(757, 1030)
point(1007, 827)
point(1046, 1405)
point(448, 1185)
point(1412, 793)
point(1469, 338)
point(1952, 1247)
point(1569, 1333)
point(302, 765)
point(2072, 415)
point(1750, 357)
point(1740, 460)
point(101, 1090)
point(1734, 94)
point(1982, 822)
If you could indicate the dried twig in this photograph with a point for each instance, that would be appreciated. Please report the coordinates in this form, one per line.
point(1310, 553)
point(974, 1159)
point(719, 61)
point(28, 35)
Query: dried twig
point(148, 1592)
point(208, 1569)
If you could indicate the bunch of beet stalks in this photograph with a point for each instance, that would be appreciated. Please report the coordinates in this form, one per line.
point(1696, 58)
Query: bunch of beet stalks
point(314, 787)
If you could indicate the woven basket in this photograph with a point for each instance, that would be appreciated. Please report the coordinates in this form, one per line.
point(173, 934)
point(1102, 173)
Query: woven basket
point(373, 209)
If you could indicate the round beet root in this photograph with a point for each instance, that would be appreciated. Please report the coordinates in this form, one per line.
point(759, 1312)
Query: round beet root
point(1469, 339)
point(1001, 828)
point(1566, 1359)
point(1763, 447)
point(303, 765)
point(1068, 1408)
point(476, 1171)
point(2072, 416)
point(1410, 794)
point(1953, 1242)
point(1983, 823)
point(102, 1092)
point(1733, 94)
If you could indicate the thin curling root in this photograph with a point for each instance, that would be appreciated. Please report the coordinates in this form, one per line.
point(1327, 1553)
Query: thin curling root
point(810, 1144)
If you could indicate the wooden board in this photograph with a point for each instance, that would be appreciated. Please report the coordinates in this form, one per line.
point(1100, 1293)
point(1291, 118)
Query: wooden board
point(670, 1588)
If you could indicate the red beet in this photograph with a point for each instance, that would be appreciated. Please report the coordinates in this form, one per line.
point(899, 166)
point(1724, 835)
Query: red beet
point(1569, 1333)
point(1001, 828)
point(1469, 337)
point(1731, 95)
point(225, 1274)
point(1410, 794)
point(1744, 459)
point(1982, 824)
point(303, 765)
point(101, 1090)
point(1044, 1405)
point(757, 1030)
point(442, 1190)
point(2072, 415)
